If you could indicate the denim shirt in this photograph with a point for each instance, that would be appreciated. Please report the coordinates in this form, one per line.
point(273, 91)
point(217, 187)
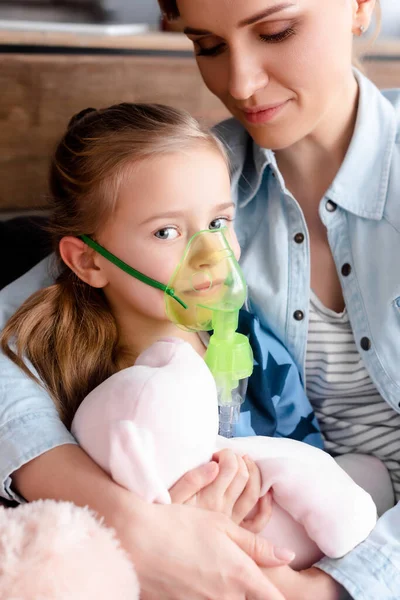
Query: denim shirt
point(361, 211)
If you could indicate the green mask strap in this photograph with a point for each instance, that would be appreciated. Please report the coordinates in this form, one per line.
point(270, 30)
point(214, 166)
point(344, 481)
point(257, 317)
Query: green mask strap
point(130, 270)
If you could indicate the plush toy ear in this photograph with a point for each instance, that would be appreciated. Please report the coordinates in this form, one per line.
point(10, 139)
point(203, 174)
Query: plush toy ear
point(133, 462)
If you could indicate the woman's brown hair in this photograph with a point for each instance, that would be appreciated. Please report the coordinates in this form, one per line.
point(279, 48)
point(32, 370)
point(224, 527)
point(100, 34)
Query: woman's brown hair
point(170, 9)
point(67, 331)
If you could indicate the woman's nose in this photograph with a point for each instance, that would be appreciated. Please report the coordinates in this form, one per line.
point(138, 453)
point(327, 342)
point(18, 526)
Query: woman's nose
point(247, 75)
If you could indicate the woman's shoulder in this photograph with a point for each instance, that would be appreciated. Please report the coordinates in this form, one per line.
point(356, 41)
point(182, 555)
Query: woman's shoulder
point(241, 152)
point(235, 139)
point(393, 97)
point(231, 132)
point(391, 211)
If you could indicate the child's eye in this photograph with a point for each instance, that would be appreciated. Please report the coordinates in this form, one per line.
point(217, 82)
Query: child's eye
point(167, 233)
point(218, 223)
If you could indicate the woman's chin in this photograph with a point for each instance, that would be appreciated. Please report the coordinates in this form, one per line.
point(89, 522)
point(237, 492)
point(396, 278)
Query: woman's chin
point(272, 138)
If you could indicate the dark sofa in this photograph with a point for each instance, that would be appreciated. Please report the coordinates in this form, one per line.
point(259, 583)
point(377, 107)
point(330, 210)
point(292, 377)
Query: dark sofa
point(23, 243)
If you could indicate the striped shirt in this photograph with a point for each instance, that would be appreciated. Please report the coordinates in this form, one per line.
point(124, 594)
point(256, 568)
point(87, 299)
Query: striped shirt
point(352, 415)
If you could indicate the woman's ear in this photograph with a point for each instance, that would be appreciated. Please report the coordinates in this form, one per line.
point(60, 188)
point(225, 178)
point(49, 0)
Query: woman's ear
point(83, 261)
point(363, 11)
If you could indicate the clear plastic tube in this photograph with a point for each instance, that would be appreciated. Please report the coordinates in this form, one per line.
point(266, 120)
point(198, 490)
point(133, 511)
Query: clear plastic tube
point(229, 411)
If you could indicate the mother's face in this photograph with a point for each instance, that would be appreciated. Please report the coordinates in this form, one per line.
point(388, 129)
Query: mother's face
point(290, 58)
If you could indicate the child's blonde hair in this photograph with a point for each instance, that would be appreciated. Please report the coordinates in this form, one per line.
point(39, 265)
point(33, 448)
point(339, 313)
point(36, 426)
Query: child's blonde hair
point(67, 331)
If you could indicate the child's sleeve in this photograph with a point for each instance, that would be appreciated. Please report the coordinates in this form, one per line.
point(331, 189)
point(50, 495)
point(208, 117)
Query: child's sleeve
point(275, 402)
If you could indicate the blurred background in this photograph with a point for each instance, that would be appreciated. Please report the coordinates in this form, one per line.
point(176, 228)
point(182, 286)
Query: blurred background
point(390, 18)
point(82, 11)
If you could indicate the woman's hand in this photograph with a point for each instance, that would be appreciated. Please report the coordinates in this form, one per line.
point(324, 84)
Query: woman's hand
point(305, 585)
point(183, 552)
point(229, 485)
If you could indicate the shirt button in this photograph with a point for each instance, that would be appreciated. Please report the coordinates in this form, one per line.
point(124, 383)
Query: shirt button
point(365, 343)
point(298, 315)
point(330, 206)
point(346, 270)
point(299, 238)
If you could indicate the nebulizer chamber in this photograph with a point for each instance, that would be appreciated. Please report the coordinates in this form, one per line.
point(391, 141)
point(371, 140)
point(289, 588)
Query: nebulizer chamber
point(211, 290)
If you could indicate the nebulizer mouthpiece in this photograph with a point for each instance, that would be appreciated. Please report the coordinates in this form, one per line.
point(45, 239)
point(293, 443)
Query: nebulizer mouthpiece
point(210, 283)
point(205, 293)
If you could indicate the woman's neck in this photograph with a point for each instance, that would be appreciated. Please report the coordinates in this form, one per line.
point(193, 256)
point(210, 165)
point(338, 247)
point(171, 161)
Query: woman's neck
point(310, 166)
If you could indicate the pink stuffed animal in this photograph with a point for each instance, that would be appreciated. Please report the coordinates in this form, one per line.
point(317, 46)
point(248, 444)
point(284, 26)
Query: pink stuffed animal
point(56, 551)
point(149, 424)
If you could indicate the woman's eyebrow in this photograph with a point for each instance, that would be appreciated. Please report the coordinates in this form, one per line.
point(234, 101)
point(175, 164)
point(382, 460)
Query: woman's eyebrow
point(248, 21)
point(266, 13)
point(192, 31)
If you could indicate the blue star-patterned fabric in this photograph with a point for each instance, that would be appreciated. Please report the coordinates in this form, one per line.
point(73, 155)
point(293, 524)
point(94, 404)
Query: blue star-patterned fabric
point(275, 401)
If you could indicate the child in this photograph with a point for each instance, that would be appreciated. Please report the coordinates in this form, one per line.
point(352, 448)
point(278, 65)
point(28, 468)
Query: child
point(140, 181)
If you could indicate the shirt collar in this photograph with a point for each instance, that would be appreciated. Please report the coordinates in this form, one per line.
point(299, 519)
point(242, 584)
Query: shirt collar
point(361, 184)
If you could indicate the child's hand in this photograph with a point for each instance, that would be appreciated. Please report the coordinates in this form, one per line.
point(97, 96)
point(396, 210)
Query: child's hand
point(260, 515)
point(233, 490)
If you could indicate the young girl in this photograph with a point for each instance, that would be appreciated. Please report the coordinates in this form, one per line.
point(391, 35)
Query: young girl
point(118, 182)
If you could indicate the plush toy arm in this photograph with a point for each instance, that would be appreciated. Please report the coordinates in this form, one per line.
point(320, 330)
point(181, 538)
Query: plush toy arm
point(306, 482)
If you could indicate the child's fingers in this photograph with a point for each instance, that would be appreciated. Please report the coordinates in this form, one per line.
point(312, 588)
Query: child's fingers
point(260, 520)
point(251, 493)
point(229, 467)
point(193, 482)
point(234, 493)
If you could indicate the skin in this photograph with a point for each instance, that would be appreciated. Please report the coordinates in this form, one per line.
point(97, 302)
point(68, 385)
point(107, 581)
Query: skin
point(298, 56)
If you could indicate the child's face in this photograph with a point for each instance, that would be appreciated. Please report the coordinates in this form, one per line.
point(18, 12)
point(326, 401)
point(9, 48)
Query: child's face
point(162, 203)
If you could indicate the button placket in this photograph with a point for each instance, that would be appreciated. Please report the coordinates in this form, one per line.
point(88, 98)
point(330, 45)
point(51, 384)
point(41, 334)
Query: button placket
point(299, 281)
point(365, 343)
point(299, 237)
point(330, 206)
point(346, 269)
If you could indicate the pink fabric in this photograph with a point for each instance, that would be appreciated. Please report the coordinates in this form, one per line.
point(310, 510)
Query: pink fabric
point(149, 424)
point(56, 551)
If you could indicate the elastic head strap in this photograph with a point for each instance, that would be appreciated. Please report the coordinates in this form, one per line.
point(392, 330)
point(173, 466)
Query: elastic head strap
point(130, 270)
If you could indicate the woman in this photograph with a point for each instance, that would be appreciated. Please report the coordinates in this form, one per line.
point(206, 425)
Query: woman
point(322, 206)
point(287, 77)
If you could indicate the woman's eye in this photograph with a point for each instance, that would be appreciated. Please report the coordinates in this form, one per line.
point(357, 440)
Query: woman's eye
point(274, 38)
point(208, 51)
point(218, 223)
point(167, 233)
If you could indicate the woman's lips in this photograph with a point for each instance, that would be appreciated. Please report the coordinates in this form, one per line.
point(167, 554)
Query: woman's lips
point(263, 114)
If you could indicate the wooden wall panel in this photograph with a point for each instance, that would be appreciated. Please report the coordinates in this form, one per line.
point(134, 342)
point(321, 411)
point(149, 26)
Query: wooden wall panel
point(39, 94)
